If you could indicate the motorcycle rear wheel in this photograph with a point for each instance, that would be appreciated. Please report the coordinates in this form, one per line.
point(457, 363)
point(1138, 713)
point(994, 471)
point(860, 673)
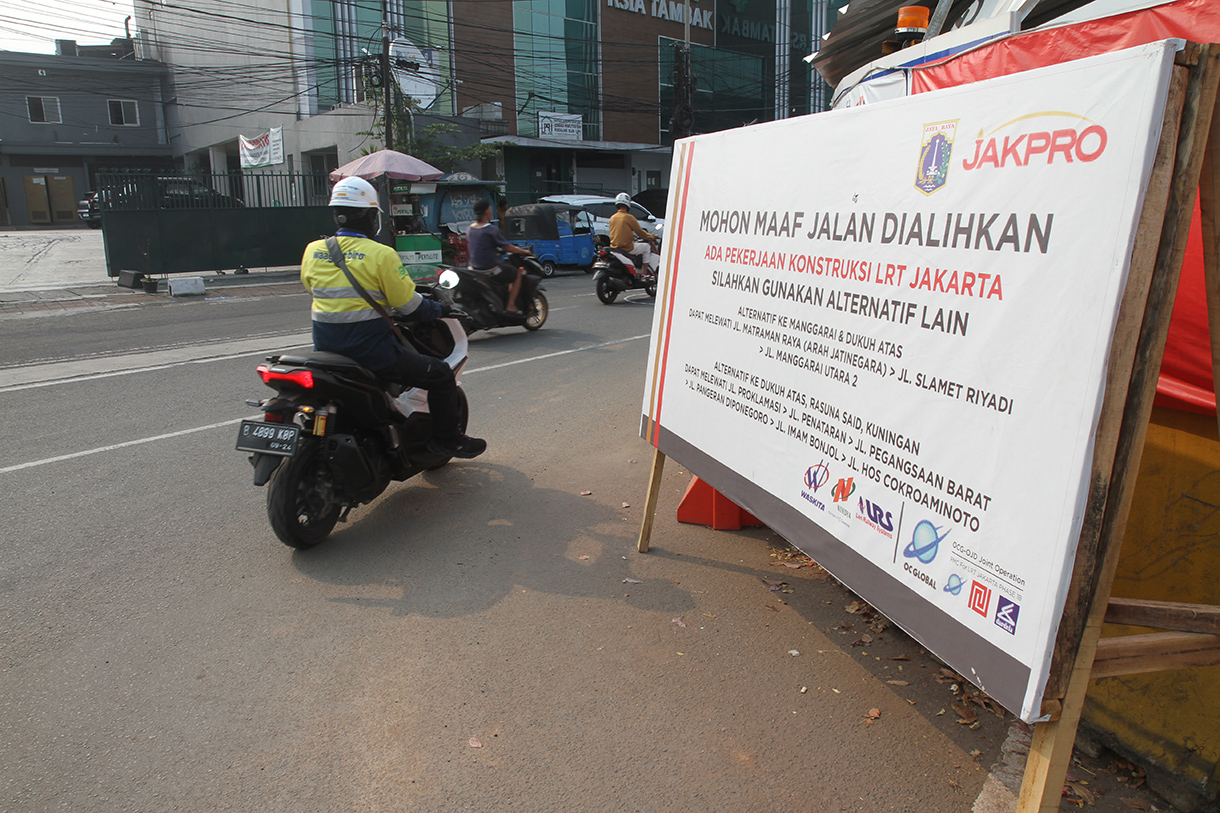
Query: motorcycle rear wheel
point(539, 309)
point(301, 503)
point(604, 292)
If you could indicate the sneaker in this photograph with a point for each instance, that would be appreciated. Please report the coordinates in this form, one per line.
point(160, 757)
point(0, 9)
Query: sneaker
point(461, 446)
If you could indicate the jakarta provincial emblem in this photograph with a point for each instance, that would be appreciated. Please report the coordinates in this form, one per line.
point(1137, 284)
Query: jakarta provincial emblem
point(934, 154)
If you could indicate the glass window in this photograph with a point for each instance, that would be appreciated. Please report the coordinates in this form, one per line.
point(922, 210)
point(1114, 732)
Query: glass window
point(43, 109)
point(124, 113)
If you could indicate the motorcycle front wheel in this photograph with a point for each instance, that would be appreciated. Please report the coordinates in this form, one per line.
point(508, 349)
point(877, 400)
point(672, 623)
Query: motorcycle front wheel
point(651, 290)
point(300, 499)
point(604, 292)
point(538, 312)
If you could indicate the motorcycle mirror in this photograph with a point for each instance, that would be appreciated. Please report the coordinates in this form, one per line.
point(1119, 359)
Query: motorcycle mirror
point(448, 280)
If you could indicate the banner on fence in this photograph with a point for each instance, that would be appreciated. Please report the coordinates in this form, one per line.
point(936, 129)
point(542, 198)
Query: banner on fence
point(884, 331)
point(262, 151)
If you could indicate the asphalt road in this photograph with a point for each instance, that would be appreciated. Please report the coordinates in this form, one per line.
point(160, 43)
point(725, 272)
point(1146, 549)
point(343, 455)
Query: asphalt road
point(483, 637)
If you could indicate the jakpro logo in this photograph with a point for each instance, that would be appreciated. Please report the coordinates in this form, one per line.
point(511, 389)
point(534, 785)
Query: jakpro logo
point(844, 489)
point(980, 598)
point(1084, 142)
point(816, 476)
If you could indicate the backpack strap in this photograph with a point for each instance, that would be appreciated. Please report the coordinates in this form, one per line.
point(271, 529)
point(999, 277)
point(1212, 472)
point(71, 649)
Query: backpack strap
point(336, 257)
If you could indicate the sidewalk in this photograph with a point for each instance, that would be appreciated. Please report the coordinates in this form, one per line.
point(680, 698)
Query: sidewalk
point(65, 269)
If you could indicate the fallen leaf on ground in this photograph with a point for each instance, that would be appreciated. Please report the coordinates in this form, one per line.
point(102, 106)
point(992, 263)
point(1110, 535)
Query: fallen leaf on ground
point(632, 581)
point(900, 657)
point(583, 556)
point(772, 608)
point(793, 652)
point(585, 493)
point(873, 715)
point(626, 505)
point(939, 713)
point(856, 607)
point(680, 623)
point(774, 587)
point(474, 743)
point(966, 714)
point(794, 567)
point(898, 683)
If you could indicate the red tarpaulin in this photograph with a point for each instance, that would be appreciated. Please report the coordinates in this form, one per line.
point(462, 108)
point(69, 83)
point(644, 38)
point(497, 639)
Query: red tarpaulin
point(1186, 372)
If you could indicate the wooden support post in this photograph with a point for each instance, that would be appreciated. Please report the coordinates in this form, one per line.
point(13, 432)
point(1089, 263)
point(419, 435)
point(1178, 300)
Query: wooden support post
point(1164, 615)
point(650, 504)
point(1209, 205)
point(1134, 654)
point(1051, 746)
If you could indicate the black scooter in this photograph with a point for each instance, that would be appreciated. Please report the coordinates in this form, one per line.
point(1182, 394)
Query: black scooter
point(483, 298)
point(333, 436)
point(616, 271)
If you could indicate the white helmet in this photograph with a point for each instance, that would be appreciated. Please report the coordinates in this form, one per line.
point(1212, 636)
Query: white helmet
point(356, 193)
point(623, 198)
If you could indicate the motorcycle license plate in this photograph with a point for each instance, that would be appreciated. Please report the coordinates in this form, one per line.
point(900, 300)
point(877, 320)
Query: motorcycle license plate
point(268, 438)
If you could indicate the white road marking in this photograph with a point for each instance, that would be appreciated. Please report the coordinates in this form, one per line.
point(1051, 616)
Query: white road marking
point(70, 372)
point(179, 433)
point(114, 446)
point(558, 353)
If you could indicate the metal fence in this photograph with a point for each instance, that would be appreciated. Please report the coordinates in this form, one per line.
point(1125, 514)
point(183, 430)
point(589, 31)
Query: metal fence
point(140, 191)
point(175, 223)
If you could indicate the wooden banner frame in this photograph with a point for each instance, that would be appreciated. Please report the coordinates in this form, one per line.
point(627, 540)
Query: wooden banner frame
point(1187, 159)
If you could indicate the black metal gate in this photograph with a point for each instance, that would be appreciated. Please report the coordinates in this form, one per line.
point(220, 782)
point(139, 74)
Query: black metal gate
point(179, 224)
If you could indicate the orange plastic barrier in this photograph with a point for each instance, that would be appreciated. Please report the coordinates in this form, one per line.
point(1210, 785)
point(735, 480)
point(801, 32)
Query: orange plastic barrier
point(704, 505)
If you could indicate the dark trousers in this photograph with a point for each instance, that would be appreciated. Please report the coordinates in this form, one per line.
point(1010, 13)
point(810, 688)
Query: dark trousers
point(413, 369)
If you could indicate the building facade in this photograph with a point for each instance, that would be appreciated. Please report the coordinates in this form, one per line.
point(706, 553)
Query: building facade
point(580, 93)
point(65, 117)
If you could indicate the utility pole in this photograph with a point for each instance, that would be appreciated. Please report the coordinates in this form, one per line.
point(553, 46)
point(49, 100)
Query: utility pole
point(683, 122)
point(387, 78)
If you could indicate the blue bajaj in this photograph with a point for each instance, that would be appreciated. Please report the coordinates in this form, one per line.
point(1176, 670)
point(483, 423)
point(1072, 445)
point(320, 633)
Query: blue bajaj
point(558, 235)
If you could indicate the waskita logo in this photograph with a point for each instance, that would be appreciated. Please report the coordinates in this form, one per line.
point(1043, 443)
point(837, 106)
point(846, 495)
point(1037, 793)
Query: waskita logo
point(1006, 613)
point(1038, 139)
point(980, 598)
point(875, 517)
point(815, 477)
point(935, 150)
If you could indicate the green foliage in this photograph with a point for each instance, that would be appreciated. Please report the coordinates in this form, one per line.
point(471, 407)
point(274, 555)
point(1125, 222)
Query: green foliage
point(427, 144)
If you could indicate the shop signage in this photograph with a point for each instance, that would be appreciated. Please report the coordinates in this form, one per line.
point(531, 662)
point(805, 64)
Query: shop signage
point(560, 126)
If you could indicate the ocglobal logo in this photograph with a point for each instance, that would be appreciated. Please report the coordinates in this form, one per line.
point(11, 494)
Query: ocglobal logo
point(1084, 142)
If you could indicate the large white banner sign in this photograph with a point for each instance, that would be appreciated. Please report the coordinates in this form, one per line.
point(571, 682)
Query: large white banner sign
point(884, 331)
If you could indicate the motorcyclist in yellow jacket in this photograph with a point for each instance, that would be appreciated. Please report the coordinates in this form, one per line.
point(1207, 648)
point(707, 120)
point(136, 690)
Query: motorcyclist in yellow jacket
point(344, 323)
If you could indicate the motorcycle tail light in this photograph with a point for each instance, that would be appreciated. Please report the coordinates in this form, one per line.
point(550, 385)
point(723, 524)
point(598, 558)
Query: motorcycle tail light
point(273, 417)
point(302, 378)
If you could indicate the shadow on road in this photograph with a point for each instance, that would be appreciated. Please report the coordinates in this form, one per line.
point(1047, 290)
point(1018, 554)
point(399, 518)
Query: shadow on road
point(459, 540)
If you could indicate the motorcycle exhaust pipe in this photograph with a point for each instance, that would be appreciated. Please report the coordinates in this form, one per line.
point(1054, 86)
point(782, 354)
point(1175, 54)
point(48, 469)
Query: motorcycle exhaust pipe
point(617, 284)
